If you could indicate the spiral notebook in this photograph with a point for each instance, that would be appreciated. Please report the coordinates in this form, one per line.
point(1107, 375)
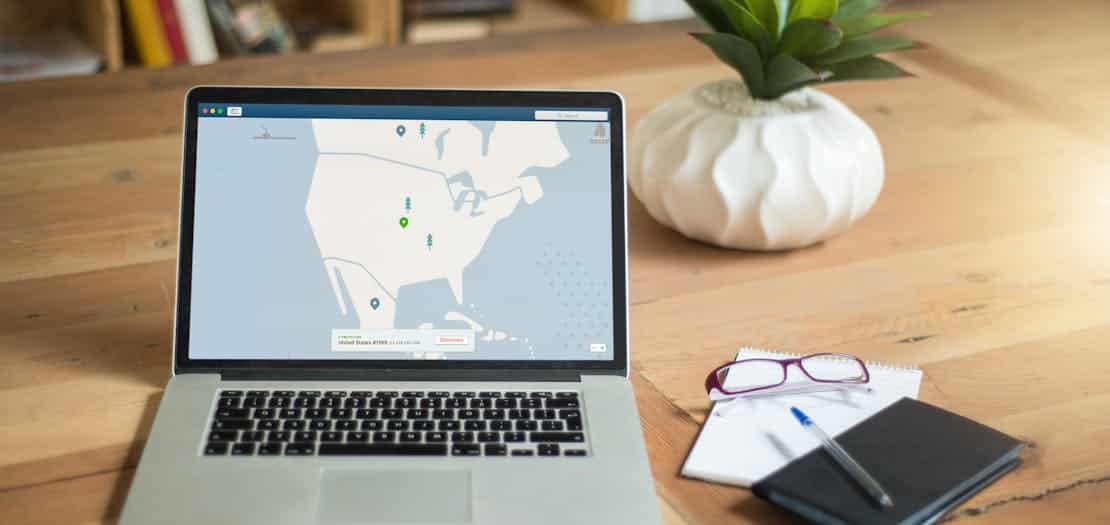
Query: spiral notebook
point(745, 439)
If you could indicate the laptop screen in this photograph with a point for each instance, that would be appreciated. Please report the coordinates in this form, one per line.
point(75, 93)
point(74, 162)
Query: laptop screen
point(401, 232)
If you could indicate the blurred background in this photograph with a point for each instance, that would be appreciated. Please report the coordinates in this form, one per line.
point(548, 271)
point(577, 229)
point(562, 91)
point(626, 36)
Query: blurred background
point(45, 38)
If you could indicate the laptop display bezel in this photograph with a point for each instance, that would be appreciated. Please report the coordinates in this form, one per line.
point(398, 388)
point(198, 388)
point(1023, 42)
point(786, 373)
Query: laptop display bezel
point(609, 101)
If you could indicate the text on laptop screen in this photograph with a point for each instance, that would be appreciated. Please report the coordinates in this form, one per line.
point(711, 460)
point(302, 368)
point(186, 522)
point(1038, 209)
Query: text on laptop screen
point(401, 232)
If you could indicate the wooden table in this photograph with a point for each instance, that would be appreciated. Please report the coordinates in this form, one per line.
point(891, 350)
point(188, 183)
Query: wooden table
point(986, 259)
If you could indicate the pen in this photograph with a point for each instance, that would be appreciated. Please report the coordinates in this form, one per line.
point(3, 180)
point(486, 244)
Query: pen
point(844, 460)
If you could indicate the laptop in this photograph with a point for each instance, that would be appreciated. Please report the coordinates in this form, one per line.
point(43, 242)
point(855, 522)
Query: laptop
point(399, 307)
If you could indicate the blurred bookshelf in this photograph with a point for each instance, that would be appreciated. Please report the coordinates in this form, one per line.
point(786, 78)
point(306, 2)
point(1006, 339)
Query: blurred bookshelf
point(43, 38)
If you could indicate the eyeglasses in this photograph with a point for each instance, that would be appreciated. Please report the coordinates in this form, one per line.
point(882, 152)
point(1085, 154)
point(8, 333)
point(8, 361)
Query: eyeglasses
point(760, 374)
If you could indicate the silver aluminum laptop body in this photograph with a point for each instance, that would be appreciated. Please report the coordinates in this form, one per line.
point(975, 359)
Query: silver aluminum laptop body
point(357, 468)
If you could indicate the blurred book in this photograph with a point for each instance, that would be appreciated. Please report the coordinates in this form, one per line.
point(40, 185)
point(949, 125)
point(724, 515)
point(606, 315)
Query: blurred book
point(249, 26)
point(655, 10)
point(167, 13)
point(426, 31)
point(51, 54)
point(435, 8)
point(149, 33)
point(200, 43)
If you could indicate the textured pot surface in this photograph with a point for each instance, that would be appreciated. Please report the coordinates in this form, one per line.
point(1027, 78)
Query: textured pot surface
point(722, 168)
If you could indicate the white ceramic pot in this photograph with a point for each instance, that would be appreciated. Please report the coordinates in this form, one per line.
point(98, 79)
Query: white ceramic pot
point(723, 168)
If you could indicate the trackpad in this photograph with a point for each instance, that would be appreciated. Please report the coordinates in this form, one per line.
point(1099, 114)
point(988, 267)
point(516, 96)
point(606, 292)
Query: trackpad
point(351, 496)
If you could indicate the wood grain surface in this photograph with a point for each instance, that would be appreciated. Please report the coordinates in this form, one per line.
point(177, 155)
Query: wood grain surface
point(986, 260)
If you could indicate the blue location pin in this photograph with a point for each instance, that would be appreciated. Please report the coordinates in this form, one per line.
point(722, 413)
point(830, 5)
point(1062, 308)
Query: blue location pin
point(401, 130)
point(375, 303)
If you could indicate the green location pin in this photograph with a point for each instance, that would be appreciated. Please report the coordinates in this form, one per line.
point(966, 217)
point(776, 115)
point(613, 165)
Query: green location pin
point(404, 222)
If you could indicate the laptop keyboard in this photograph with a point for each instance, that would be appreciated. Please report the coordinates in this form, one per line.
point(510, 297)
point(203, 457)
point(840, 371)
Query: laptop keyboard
point(396, 423)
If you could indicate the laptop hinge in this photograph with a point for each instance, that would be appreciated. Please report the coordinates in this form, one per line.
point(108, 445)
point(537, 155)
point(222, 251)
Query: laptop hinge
point(401, 375)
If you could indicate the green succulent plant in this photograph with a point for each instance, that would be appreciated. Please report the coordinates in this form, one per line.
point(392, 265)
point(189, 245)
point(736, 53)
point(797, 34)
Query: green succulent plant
point(778, 46)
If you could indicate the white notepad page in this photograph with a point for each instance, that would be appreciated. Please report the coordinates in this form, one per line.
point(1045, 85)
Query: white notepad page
point(745, 439)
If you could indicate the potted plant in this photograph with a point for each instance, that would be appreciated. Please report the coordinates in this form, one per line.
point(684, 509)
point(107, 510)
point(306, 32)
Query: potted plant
point(766, 162)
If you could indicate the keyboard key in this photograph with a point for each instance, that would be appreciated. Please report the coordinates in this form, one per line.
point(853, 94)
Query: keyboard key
point(551, 425)
point(392, 413)
point(258, 393)
point(283, 393)
point(481, 403)
point(354, 402)
point(383, 449)
point(293, 424)
point(264, 413)
point(520, 413)
point(254, 402)
point(233, 424)
point(574, 452)
point(371, 425)
point(331, 436)
point(385, 395)
point(269, 449)
point(548, 449)
point(574, 424)
point(505, 403)
point(378, 402)
point(527, 425)
point(567, 414)
point(329, 402)
point(557, 437)
point(417, 413)
point(463, 394)
point(242, 449)
point(530, 403)
point(464, 449)
point(308, 393)
point(495, 413)
point(290, 413)
point(404, 402)
point(561, 403)
point(500, 425)
point(412, 394)
point(215, 449)
point(449, 425)
point(430, 403)
point(443, 413)
point(462, 437)
point(229, 402)
point(341, 413)
point(362, 394)
point(489, 394)
point(474, 424)
point(335, 393)
point(231, 393)
point(307, 435)
point(494, 449)
point(367, 413)
point(513, 437)
point(468, 414)
point(279, 402)
point(319, 424)
point(222, 435)
point(357, 437)
point(299, 449)
point(397, 425)
point(435, 437)
point(268, 424)
point(384, 437)
point(523, 452)
point(252, 436)
point(316, 413)
point(423, 425)
point(540, 413)
point(566, 395)
point(409, 437)
point(454, 403)
point(541, 395)
point(489, 437)
point(350, 425)
point(304, 402)
point(232, 413)
point(439, 394)
point(278, 435)
point(515, 395)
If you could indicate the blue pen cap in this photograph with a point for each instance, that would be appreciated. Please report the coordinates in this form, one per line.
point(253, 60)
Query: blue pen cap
point(801, 416)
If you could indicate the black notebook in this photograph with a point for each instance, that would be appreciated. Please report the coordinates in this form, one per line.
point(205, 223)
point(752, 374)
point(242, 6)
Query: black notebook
point(929, 460)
